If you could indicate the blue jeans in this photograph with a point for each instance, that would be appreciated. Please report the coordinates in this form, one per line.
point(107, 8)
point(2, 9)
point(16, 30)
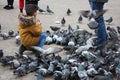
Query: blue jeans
point(101, 30)
point(42, 40)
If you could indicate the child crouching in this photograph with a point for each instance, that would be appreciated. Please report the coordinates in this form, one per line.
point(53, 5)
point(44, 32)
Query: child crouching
point(30, 29)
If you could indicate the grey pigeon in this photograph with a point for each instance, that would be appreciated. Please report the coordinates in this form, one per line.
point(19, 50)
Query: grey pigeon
point(39, 77)
point(109, 20)
point(32, 66)
point(21, 71)
point(63, 21)
point(65, 74)
point(4, 36)
point(57, 75)
point(42, 71)
point(49, 40)
point(54, 28)
point(47, 51)
point(41, 10)
point(68, 12)
point(49, 10)
point(118, 29)
point(112, 33)
point(0, 28)
point(92, 24)
point(92, 72)
point(1, 53)
point(14, 64)
point(80, 19)
point(11, 33)
point(94, 14)
point(5, 60)
point(51, 68)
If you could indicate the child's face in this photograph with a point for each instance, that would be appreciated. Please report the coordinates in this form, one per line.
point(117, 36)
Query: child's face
point(35, 14)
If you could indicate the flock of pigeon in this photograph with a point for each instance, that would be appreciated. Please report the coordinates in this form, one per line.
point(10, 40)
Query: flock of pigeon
point(84, 60)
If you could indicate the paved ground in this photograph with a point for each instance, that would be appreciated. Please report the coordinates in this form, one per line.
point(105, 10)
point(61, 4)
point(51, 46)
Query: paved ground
point(9, 21)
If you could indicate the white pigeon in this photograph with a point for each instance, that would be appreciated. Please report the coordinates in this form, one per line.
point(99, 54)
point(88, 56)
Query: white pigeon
point(89, 44)
point(47, 51)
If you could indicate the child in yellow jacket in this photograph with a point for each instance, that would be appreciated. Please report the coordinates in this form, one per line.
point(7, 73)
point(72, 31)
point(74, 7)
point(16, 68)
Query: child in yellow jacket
point(30, 29)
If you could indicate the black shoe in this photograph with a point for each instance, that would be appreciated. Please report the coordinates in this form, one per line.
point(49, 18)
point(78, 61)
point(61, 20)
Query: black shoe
point(5, 7)
point(22, 49)
point(9, 7)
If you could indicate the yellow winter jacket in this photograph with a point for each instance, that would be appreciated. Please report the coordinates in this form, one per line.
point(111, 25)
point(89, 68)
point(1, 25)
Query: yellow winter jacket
point(29, 31)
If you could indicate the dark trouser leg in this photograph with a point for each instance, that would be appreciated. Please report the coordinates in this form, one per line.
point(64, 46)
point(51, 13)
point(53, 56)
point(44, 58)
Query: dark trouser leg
point(11, 2)
point(101, 30)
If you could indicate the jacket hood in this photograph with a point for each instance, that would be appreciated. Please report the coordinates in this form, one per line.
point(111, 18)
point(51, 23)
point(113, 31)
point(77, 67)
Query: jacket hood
point(25, 20)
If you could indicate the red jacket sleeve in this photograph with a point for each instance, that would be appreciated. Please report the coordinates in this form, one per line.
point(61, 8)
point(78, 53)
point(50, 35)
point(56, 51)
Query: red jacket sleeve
point(21, 4)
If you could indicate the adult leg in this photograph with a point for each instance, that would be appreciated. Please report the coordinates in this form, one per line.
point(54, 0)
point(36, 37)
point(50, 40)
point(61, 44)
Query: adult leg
point(11, 3)
point(101, 30)
point(42, 40)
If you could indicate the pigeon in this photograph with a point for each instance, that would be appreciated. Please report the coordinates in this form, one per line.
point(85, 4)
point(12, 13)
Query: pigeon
point(5, 60)
point(11, 33)
point(4, 36)
point(39, 77)
point(89, 44)
point(57, 75)
point(112, 33)
point(77, 27)
point(14, 64)
point(80, 19)
point(65, 74)
point(83, 75)
point(68, 12)
point(51, 68)
point(118, 29)
point(109, 76)
point(92, 24)
point(42, 71)
point(92, 14)
point(17, 40)
point(71, 42)
point(0, 28)
point(54, 28)
point(92, 72)
point(49, 10)
point(109, 20)
point(47, 51)
point(32, 66)
point(88, 55)
point(41, 10)
point(63, 21)
point(1, 53)
point(49, 40)
point(21, 71)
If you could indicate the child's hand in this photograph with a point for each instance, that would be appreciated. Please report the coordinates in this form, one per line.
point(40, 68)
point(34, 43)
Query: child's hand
point(39, 22)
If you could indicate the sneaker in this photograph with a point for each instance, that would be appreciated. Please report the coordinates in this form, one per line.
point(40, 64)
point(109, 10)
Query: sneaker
point(22, 49)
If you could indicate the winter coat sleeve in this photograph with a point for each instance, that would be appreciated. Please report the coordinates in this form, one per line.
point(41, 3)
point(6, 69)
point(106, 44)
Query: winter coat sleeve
point(37, 30)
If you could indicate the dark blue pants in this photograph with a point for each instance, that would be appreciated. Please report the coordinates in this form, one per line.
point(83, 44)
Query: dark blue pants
point(42, 40)
point(101, 30)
